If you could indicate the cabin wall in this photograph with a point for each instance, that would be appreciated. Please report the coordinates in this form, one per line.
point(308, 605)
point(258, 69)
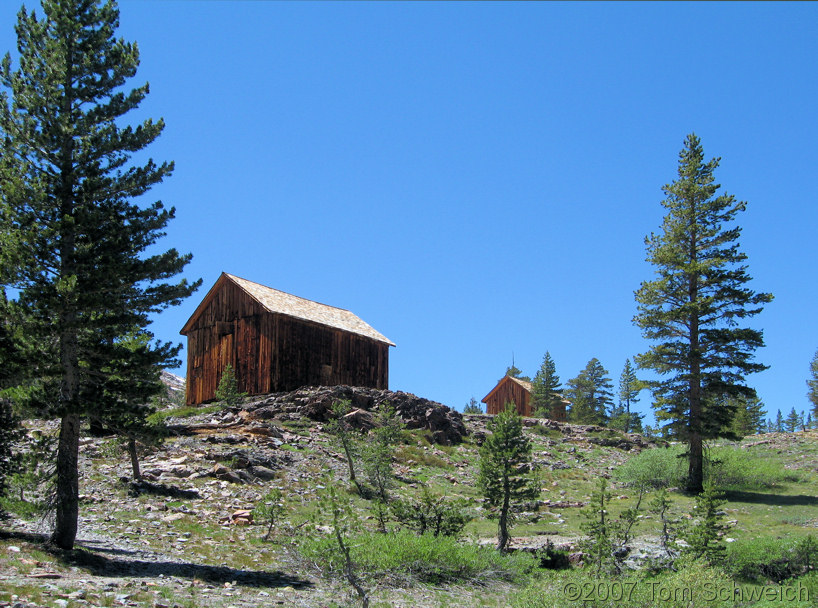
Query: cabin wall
point(271, 352)
point(559, 413)
point(509, 392)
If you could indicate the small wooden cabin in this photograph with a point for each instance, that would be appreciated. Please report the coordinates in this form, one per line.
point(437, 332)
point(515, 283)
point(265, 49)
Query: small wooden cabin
point(276, 342)
point(516, 391)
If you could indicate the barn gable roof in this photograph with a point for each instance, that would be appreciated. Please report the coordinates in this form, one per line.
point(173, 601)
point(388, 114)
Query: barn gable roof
point(283, 303)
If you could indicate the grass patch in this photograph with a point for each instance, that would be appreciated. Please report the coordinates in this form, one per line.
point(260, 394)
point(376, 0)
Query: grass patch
point(406, 558)
point(420, 455)
point(544, 431)
point(183, 411)
point(693, 586)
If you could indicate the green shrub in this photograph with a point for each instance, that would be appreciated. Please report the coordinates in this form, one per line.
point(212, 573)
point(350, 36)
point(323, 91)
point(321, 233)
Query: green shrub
point(431, 513)
point(728, 467)
point(544, 431)
point(405, 557)
point(417, 455)
point(766, 559)
point(739, 469)
point(656, 468)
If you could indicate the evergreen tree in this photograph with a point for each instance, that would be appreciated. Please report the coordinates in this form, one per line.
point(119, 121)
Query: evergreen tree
point(705, 538)
point(622, 421)
point(473, 407)
point(749, 416)
point(812, 385)
point(779, 422)
point(792, 421)
point(629, 387)
point(590, 394)
point(546, 389)
point(505, 461)
point(516, 372)
point(228, 390)
point(85, 274)
point(346, 437)
point(693, 307)
point(131, 385)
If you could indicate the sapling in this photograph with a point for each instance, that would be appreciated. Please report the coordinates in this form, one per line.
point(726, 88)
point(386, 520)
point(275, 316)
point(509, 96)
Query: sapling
point(335, 508)
point(270, 509)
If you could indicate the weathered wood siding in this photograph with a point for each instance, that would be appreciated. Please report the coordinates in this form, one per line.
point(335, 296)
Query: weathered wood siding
point(509, 392)
point(273, 352)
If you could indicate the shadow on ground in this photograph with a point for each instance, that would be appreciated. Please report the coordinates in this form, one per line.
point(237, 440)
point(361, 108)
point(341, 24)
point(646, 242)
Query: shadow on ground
point(136, 488)
point(771, 499)
point(105, 561)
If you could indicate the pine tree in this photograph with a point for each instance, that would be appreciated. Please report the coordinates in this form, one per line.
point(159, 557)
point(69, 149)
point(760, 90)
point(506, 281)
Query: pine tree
point(629, 388)
point(472, 407)
point(812, 385)
point(779, 422)
point(132, 383)
point(705, 538)
point(546, 389)
point(749, 416)
point(84, 273)
point(503, 478)
point(590, 394)
point(516, 372)
point(692, 309)
point(228, 390)
point(792, 421)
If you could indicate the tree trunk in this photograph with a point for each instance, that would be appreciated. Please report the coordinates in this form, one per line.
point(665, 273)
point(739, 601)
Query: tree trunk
point(695, 473)
point(502, 524)
point(65, 528)
point(137, 474)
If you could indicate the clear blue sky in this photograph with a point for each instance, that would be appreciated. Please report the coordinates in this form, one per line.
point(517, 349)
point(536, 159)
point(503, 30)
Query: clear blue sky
point(476, 180)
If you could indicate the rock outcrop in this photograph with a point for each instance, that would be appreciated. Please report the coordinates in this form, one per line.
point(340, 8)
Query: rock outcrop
point(445, 425)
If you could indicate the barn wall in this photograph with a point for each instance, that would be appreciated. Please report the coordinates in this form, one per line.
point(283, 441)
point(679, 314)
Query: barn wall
point(272, 352)
point(509, 392)
point(233, 329)
point(312, 354)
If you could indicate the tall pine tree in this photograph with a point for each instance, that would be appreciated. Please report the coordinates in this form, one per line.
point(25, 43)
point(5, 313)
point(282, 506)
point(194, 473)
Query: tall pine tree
point(545, 393)
point(692, 309)
point(629, 387)
point(812, 385)
point(590, 394)
point(504, 470)
point(84, 273)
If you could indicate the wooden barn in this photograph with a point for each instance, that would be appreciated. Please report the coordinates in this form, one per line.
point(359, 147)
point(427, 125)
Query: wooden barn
point(516, 391)
point(278, 342)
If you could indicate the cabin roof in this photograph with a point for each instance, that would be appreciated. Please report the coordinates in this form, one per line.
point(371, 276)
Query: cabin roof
point(283, 303)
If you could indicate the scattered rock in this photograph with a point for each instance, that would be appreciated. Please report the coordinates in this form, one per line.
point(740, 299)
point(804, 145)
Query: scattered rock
point(242, 517)
point(224, 474)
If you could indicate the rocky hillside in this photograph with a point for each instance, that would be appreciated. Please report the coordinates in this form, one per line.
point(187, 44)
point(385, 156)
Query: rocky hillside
point(187, 534)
